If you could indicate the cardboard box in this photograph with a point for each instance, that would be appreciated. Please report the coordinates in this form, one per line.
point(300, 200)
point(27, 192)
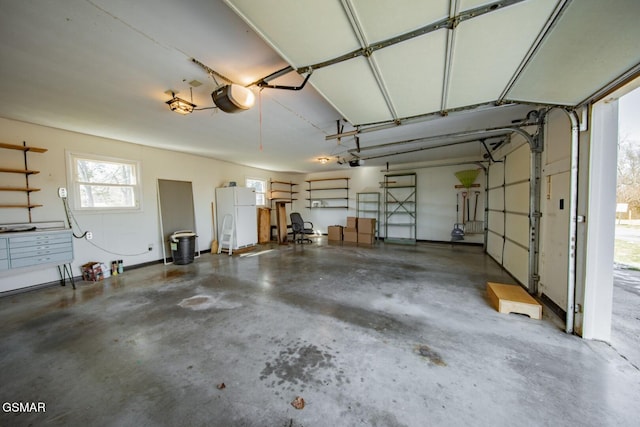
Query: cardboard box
point(367, 238)
point(352, 222)
point(92, 272)
point(335, 232)
point(367, 225)
point(350, 235)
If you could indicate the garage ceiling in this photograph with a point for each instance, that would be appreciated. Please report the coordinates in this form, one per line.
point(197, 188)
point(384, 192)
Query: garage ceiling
point(102, 67)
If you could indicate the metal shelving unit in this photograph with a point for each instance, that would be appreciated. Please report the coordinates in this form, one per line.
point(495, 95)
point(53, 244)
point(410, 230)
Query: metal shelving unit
point(400, 206)
point(368, 206)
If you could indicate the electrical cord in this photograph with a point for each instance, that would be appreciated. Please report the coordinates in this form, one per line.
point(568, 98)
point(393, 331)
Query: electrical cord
point(71, 220)
point(69, 215)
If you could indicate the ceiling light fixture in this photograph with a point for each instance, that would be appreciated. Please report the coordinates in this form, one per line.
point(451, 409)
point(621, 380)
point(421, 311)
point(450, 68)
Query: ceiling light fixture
point(179, 105)
point(323, 160)
point(233, 98)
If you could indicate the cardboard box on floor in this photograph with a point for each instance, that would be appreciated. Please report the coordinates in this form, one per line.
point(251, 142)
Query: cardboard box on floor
point(352, 222)
point(366, 238)
point(366, 225)
point(350, 235)
point(92, 272)
point(335, 232)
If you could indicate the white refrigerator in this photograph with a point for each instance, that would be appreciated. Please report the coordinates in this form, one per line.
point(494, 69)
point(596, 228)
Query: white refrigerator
point(240, 203)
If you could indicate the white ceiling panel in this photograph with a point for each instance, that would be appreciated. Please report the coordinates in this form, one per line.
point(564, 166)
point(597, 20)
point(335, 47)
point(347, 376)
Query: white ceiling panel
point(352, 89)
point(382, 20)
point(303, 32)
point(413, 71)
point(490, 47)
point(593, 43)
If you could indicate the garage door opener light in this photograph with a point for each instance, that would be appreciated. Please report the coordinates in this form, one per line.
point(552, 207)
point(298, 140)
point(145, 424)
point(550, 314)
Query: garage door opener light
point(179, 105)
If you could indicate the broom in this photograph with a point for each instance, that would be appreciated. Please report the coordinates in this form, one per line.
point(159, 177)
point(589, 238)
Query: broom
point(458, 231)
point(214, 242)
point(467, 178)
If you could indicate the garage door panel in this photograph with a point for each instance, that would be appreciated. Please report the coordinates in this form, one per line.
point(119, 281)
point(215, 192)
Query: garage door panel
point(517, 198)
point(494, 247)
point(496, 175)
point(496, 222)
point(496, 199)
point(516, 261)
point(518, 165)
point(518, 229)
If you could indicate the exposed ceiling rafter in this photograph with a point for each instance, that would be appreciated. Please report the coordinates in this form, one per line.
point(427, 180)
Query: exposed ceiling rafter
point(373, 127)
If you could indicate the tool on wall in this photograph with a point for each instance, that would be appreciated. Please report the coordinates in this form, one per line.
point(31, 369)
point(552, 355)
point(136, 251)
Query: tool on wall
point(214, 241)
point(473, 226)
point(467, 180)
point(464, 206)
point(475, 207)
point(457, 233)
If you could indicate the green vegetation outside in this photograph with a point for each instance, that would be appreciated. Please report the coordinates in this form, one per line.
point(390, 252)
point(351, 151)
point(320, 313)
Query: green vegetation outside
point(627, 253)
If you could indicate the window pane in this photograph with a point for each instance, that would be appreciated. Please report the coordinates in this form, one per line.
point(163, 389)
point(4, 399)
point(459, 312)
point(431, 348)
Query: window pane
point(98, 196)
point(259, 185)
point(104, 172)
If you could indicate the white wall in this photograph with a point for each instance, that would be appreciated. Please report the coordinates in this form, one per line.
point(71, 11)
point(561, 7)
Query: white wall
point(123, 233)
point(436, 199)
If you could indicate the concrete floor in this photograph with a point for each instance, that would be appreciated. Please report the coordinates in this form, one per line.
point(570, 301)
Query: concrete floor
point(385, 336)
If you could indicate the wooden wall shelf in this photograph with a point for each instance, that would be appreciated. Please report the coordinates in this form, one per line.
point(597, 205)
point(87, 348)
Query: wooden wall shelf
point(333, 192)
point(24, 171)
point(281, 191)
point(22, 148)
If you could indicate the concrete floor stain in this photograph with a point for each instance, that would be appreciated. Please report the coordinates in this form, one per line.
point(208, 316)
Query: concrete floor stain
point(204, 302)
point(431, 355)
point(172, 274)
point(302, 364)
point(194, 301)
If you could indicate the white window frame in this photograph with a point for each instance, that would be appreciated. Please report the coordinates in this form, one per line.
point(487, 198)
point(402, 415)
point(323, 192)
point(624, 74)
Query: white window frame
point(259, 195)
point(74, 183)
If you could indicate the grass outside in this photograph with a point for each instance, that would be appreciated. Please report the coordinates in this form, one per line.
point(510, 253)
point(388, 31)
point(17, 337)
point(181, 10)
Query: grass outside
point(627, 252)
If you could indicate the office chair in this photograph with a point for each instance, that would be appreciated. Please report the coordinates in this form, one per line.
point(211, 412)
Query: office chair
point(298, 226)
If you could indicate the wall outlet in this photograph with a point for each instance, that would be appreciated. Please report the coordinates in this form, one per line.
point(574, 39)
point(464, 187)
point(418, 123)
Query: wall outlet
point(62, 193)
point(89, 235)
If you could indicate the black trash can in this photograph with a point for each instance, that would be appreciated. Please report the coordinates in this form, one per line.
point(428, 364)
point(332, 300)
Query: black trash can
point(183, 247)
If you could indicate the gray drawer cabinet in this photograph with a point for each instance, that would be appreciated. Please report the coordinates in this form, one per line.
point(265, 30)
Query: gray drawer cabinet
point(37, 248)
point(4, 255)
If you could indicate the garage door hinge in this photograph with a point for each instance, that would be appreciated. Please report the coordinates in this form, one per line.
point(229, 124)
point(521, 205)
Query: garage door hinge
point(537, 214)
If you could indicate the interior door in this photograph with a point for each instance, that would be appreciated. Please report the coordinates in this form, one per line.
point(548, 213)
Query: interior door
point(175, 205)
